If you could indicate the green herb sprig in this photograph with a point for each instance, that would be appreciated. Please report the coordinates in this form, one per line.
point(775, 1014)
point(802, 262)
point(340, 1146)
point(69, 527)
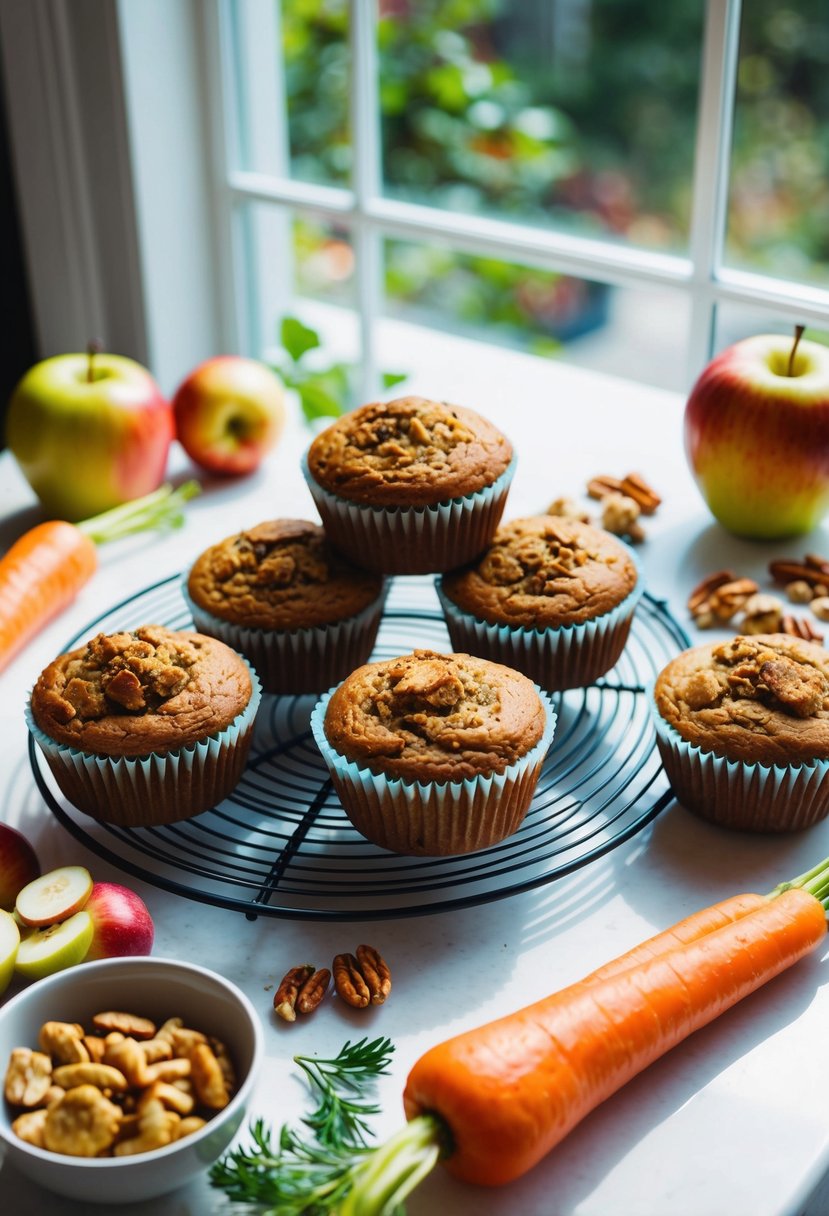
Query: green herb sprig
point(302, 1175)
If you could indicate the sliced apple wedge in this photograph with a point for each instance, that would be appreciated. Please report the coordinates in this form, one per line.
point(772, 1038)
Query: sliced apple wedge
point(55, 947)
point(54, 896)
point(9, 943)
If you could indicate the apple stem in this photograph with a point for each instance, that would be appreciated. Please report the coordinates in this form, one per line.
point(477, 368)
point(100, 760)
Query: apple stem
point(161, 509)
point(93, 348)
point(798, 334)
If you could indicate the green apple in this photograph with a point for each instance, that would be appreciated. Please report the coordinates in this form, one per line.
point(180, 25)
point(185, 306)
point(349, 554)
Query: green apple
point(229, 413)
point(9, 945)
point(757, 436)
point(55, 947)
point(89, 431)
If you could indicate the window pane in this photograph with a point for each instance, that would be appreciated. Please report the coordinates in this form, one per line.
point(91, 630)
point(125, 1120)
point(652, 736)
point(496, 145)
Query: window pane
point(735, 321)
point(640, 334)
point(567, 112)
point(317, 61)
point(287, 257)
point(778, 219)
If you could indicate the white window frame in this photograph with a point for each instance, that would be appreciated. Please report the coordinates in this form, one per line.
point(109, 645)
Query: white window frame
point(179, 308)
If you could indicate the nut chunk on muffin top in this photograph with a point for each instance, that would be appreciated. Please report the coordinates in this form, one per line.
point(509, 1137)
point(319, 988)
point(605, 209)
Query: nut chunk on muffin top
point(408, 452)
point(128, 694)
point(544, 572)
point(435, 717)
point(281, 574)
point(762, 699)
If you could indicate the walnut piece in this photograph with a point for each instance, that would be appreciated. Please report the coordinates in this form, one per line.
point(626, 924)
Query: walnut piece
point(800, 689)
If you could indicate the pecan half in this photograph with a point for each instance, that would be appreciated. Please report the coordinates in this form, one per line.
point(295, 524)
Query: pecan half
point(632, 485)
point(727, 600)
point(349, 982)
point(699, 597)
point(800, 627)
point(285, 997)
point(812, 570)
point(313, 990)
point(375, 972)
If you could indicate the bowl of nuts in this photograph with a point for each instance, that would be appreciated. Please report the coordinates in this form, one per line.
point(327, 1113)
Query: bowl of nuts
point(125, 1078)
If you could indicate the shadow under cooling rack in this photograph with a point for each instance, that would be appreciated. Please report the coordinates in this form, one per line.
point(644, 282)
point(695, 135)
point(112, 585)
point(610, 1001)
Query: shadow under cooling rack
point(282, 845)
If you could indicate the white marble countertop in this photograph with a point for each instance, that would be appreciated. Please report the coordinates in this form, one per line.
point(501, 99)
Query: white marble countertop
point(734, 1120)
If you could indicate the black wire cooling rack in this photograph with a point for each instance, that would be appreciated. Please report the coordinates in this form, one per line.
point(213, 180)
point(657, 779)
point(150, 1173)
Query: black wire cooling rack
point(282, 845)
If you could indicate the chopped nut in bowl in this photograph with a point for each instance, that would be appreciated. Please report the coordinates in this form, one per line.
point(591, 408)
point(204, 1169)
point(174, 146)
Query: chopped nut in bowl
point(160, 1104)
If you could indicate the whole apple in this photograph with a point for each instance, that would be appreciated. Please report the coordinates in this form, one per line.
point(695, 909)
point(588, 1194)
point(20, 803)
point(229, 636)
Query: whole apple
point(18, 865)
point(89, 431)
point(757, 436)
point(229, 413)
point(121, 922)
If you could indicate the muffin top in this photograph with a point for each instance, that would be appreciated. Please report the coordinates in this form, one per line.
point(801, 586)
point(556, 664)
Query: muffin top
point(151, 690)
point(282, 574)
point(408, 452)
point(544, 572)
point(762, 699)
point(434, 717)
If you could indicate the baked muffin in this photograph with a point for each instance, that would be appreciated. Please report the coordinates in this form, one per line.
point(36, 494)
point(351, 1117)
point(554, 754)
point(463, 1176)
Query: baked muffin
point(552, 597)
point(411, 486)
point(281, 595)
point(742, 727)
point(434, 753)
point(145, 727)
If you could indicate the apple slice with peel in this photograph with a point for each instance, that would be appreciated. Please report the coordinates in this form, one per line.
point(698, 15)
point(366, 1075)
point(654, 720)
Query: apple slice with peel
point(54, 947)
point(54, 896)
point(9, 943)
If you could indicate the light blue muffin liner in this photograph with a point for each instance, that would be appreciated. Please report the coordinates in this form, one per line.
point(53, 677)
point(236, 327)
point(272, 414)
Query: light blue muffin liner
point(292, 662)
point(158, 788)
point(570, 656)
point(736, 794)
point(413, 540)
point(435, 818)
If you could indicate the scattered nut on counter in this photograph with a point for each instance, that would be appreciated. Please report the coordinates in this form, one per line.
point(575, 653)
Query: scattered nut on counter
point(362, 980)
point(623, 501)
point(126, 1087)
point(723, 597)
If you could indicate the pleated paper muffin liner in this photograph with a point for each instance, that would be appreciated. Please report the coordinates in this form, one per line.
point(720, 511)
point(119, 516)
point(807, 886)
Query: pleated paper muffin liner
point(570, 656)
point(156, 789)
point(736, 794)
point(434, 818)
point(296, 661)
point(413, 540)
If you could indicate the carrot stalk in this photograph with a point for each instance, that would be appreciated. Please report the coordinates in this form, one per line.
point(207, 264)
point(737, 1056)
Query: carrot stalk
point(493, 1101)
point(44, 569)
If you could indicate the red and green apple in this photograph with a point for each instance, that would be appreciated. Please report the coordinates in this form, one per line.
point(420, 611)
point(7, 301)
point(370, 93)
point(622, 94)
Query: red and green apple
point(89, 431)
point(121, 922)
point(757, 436)
point(18, 864)
point(229, 413)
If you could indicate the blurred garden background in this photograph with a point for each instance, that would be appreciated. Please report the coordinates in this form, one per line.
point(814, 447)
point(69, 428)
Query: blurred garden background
point(575, 114)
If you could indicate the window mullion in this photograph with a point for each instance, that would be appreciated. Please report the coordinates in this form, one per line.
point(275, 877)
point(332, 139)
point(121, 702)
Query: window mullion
point(711, 171)
point(365, 138)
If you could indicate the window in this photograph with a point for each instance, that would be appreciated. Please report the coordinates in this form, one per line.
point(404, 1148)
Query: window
point(622, 184)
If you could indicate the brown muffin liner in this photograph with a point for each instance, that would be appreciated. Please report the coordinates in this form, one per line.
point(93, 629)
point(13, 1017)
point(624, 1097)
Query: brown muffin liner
point(747, 797)
point(571, 656)
point(297, 661)
point(156, 789)
point(435, 818)
point(413, 540)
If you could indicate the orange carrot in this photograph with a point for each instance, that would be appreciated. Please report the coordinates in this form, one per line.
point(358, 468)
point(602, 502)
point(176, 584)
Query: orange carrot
point(44, 570)
point(511, 1090)
point(492, 1102)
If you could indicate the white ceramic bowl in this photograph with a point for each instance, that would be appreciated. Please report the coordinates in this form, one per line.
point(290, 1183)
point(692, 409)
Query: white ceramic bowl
point(157, 988)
